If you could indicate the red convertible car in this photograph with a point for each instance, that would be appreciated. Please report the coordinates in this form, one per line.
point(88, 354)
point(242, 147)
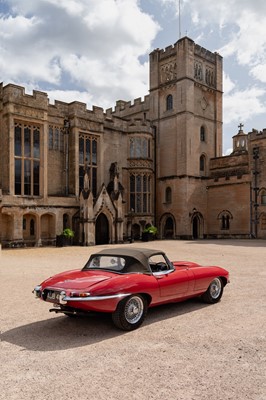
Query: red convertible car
point(126, 281)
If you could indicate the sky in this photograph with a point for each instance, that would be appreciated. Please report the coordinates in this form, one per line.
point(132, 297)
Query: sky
point(97, 51)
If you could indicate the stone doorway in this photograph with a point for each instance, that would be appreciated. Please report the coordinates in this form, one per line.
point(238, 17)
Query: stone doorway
point(102, 230)
point(195, 227)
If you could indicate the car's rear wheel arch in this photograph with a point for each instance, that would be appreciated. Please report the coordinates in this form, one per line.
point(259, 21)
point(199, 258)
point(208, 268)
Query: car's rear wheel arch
point(147, 297)
point(130, 312)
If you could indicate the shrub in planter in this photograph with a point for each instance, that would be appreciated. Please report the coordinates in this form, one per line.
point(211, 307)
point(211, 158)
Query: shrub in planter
point(65, 239)
point(149, 233)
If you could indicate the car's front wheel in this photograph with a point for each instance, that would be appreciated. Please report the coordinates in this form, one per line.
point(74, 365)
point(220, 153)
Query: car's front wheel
point(214, 292)
point(130, 312)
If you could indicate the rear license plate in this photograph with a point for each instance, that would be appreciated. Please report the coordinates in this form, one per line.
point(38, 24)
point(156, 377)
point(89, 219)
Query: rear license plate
point(53, 296)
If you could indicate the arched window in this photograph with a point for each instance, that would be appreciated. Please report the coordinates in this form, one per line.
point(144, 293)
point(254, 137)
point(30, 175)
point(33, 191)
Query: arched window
point(225, 218)
point(202, 163)
point(169, 102)
point(225, 222)
point(202, 134)
point(32, 227)
point(140, 193)
point(168, 195)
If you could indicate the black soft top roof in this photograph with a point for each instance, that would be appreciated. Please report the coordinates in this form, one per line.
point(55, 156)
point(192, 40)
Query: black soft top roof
point(139, 254)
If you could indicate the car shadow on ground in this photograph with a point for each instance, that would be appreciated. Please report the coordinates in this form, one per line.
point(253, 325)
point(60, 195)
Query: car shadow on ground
point(61, 332)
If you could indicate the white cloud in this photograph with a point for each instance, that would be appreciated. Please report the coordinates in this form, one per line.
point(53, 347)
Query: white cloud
point(242, 105)
point(69, 95)
point(97, 44)
point(228, 84)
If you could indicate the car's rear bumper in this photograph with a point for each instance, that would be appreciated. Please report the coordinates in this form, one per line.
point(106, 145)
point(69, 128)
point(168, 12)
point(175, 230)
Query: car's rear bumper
point(101, 303)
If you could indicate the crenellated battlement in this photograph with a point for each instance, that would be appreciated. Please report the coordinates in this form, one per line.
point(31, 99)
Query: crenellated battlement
point(138, 104)
point(204, 53)
point(255, 134)
point(12, 93)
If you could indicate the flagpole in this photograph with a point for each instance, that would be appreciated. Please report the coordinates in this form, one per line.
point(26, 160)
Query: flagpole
point(179, 15)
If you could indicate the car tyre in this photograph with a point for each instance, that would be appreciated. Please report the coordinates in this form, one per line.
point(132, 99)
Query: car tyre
point(130, 312)
point(214, 292)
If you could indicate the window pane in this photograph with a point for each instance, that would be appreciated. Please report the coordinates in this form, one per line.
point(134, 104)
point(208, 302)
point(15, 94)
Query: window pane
point(94, 152)
point(61, 140)
point(132, 201)
point(144, 202)
point(138, 147)
point(36, 143)
point(132, 183)
point(18, 141)
point(17, 176)
point(138, 205)
point(81, 150)
point(202, 163)
point(27, 177)
point(131, 145)
point(144, 183)
point(51, 140)
point(36, 178)
point(81, 178)
point(27, 142)
point(169, 102)
point(88, 151)
point(56, 139)
point(138, 188)
point(145, 148)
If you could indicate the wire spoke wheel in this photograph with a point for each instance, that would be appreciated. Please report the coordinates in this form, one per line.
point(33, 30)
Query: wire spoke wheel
point(214, 292)
point(134, 309)
point(215, 288)
point(130, 312)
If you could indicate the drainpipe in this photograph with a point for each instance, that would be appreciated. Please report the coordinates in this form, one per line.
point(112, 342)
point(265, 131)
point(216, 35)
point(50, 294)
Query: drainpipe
point(66, 130)
point(256, 189)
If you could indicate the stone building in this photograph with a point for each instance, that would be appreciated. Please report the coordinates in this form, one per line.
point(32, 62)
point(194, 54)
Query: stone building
point(109, 174)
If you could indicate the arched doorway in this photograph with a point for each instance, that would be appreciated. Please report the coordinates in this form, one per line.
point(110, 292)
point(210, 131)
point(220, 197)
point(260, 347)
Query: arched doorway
point(195, 227)
point(102, 230)
point(29, 228)
point(168, 228)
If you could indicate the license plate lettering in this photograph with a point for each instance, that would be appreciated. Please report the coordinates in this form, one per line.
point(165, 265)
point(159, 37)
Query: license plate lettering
point(53, 296)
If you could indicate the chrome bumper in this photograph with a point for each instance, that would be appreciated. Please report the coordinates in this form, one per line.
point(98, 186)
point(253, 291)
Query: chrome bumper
point(63, 299)
point(96, 298)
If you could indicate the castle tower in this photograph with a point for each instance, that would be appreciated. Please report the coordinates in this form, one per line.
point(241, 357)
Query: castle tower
point(186, 112)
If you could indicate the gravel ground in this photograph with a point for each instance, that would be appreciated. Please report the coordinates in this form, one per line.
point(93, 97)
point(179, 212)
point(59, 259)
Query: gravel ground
point(183, 351)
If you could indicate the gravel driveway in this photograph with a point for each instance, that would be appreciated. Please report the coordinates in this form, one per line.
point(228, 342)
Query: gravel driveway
point(183, 351)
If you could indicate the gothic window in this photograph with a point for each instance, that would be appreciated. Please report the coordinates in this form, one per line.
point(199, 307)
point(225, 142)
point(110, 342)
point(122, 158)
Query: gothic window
point(225, 218)
point(56, 138)
point(198, 71)
point(140, 193)
point(225, 222)
point(202, 134)
point(27, 159)
point(88, 160)
point(168, 195)
point(139, 147)
point(202, 163)
point(169, 102)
